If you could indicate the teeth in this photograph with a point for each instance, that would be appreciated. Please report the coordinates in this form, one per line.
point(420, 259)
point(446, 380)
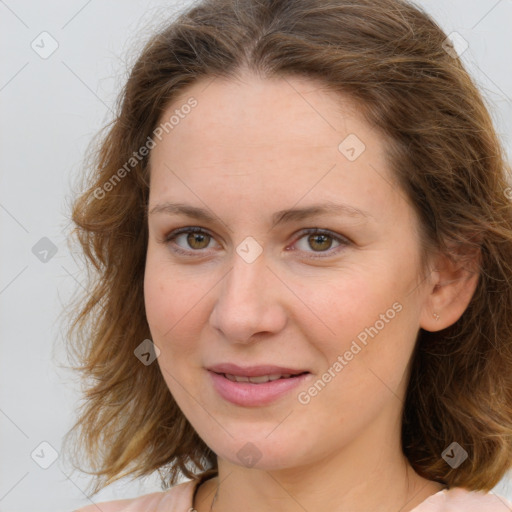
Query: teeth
point(257, 380)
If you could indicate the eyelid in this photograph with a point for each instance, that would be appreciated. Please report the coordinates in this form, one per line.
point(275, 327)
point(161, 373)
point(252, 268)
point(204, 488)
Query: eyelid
point(342, 240)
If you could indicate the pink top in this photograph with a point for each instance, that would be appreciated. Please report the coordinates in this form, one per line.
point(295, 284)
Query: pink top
point(180, 498)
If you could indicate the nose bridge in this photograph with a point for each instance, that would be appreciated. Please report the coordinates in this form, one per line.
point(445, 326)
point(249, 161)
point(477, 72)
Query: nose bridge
point(246, 303)
point(243, 279)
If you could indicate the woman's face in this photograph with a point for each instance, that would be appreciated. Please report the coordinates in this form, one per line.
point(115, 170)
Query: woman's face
point(256, 167)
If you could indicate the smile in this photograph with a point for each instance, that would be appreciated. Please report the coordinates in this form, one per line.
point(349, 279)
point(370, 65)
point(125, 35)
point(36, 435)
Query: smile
point(255, 391)
point(256, 380)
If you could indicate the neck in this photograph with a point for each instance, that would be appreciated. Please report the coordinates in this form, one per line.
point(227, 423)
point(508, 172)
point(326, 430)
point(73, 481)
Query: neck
point(381, 483)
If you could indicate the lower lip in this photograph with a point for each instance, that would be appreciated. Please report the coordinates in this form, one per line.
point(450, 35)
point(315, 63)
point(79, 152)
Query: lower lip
point(249, 394)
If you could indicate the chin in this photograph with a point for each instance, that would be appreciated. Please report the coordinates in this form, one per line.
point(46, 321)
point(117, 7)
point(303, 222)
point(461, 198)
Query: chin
point(256, 451)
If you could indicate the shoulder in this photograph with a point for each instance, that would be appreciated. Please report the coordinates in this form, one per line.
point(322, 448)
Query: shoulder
point(458, 499)
point(177, 499)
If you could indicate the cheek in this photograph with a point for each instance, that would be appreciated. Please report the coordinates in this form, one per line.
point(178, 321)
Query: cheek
point(370, 325)
point(345, 306)
point(162, 294)
point(175, 311)
point(156, 300)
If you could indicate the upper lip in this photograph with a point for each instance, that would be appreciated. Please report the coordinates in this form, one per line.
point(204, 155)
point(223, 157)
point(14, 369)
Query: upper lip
point(253, 371)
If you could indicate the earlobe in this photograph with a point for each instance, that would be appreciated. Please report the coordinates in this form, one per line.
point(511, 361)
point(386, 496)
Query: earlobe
point(450, 291)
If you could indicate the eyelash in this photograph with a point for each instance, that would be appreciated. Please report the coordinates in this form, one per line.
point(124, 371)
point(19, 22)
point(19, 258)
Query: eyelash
point(309, 231)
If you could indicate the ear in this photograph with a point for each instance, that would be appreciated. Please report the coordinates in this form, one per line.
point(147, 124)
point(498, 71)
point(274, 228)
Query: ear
point(451, 286)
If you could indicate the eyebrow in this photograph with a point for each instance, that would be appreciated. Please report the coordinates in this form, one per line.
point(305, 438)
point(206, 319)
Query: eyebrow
point(282, 216)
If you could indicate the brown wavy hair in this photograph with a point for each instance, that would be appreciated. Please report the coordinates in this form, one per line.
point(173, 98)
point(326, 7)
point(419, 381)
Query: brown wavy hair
point(389, 57)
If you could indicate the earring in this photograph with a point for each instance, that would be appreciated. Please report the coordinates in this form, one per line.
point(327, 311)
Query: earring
point(436, 316)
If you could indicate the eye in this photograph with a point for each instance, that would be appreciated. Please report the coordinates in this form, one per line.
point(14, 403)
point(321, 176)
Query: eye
point(193, 239)
point(188, 240)
point(321, 241)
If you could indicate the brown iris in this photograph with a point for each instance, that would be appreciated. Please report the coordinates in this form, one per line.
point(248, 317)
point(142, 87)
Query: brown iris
point(202, 239)
point(320, 242)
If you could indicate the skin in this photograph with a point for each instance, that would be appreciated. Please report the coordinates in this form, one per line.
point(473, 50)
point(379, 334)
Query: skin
point(252, 147)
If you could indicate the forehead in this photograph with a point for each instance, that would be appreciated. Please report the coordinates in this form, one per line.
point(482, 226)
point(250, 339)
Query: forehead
point(259, 139)
point(276, 115)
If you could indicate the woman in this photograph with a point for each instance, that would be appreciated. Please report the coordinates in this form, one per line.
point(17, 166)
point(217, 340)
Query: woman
point(302, 233)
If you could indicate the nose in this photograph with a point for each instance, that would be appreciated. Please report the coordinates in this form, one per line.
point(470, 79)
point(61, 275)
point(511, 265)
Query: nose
point(248, 302)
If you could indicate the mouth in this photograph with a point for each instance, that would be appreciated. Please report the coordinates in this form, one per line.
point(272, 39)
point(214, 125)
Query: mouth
point(254, 386)
point(261, 370)
point(260, 379)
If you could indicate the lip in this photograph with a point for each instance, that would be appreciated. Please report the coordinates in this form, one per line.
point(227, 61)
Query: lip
point(249, 394)
point(253, 371)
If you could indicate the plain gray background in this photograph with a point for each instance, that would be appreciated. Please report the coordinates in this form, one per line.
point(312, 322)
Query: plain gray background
point(50, 109)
